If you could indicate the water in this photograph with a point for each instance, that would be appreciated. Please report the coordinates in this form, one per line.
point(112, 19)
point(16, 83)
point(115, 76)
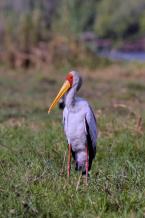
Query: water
point(124, 56)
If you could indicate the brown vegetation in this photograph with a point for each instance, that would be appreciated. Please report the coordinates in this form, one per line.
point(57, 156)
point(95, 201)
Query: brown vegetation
point(59, 51)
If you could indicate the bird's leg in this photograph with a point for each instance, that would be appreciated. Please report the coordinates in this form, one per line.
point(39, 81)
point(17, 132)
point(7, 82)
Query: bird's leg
point(87, 164)
point(69, 160)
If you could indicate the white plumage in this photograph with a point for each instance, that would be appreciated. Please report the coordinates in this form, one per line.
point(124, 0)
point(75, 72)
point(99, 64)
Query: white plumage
point(79, 124)
point(75, 120)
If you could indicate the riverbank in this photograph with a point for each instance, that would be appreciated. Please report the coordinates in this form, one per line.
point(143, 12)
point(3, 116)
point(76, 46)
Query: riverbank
point(117, 55)
point(127, 50)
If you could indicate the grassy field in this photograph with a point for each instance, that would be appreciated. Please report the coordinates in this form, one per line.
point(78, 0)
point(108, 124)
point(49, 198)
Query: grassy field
point(33, 148)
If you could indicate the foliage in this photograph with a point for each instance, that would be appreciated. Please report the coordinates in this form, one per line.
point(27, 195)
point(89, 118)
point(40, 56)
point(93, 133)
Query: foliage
point(108, 18)
point(74, 17)
point(116, 17)
point(28, 31)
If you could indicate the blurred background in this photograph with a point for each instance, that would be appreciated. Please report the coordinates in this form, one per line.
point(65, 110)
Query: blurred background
point(31, 28)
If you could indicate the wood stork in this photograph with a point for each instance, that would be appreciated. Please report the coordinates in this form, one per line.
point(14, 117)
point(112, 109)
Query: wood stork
point(79, 124)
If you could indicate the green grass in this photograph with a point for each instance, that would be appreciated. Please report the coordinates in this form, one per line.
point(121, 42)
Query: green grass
point(33, 181)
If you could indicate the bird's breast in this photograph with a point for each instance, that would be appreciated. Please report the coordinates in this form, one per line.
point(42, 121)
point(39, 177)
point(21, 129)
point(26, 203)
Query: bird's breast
point(75, 130)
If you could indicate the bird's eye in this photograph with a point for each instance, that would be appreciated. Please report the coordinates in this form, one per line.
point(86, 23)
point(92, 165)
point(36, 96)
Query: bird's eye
point(70, 78)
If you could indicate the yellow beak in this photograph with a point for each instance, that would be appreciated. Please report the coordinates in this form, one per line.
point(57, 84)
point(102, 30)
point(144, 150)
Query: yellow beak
point(62, 91)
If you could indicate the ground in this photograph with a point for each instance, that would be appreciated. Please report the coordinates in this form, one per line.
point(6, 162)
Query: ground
point(33, 149)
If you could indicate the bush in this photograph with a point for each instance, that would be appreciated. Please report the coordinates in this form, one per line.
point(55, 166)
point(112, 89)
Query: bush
point(74, 17)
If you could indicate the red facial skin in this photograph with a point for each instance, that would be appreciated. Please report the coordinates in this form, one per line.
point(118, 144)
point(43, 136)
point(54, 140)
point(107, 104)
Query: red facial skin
point(70, 78)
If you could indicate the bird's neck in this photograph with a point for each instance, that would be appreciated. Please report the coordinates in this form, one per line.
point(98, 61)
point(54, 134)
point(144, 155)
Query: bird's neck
point(70, 97)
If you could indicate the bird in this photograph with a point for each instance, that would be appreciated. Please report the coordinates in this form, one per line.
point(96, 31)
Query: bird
point(79, 123)
point(61, 103)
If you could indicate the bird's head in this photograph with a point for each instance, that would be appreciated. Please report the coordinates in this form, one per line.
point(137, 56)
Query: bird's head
point(72, 80)
point(75, 80)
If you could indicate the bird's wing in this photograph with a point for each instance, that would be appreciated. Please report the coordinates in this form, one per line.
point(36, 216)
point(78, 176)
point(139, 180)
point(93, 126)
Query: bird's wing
point(91, 128)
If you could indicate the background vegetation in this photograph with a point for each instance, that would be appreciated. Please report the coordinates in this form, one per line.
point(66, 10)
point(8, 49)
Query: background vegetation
point(27, 22)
